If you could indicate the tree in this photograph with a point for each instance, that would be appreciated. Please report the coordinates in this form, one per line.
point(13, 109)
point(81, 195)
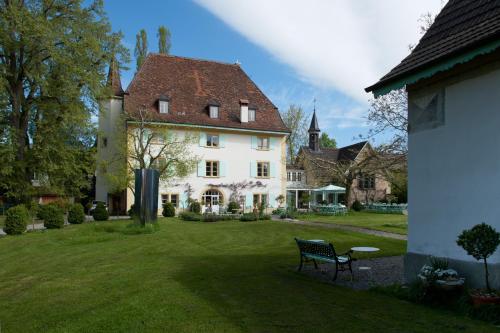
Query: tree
point(295, 119)
point(143, 146)
point(327, 142)
point(164, 43)
point(53, 59)
point(141, 48)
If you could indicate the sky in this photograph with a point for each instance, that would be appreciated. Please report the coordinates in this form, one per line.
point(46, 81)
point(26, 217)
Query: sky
point(296, 51)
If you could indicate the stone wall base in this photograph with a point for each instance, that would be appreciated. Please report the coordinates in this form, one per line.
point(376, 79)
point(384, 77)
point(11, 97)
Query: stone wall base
point(472, 271)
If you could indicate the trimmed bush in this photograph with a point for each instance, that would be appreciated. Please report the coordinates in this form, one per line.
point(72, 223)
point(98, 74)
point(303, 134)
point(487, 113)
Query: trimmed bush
point(76, 214)
point(190, 216)
point(16, 220)
point(249, 217)
point(215, 218)
point(357, 206)
point(53, 217)
point(265, 217)
point(168, 210)
point(195, 207)
point(233, 206)
point(100, 212)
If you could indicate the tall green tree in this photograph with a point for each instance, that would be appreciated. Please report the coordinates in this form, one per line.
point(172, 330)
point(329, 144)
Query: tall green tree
point(164, 42)
point(327, 142)
point(53, 60)
point(295, 119)
point(141, 48)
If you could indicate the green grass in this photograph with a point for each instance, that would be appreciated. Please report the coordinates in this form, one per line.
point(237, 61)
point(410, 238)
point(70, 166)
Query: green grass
point(385, 222)
point(193, 277)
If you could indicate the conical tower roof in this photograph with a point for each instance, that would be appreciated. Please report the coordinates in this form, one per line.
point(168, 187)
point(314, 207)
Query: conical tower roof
point(114, 80)
point(314, 124)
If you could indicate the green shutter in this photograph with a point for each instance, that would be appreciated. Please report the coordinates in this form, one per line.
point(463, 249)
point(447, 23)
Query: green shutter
point(222, 141)
point(183, 200)
point(253, 169)
point(254, 142)
point(272, 166)
point(273, 144)
point(203, 139)
point(201, 169)
point(272, 200)
point(249, 201)
point(222, 169)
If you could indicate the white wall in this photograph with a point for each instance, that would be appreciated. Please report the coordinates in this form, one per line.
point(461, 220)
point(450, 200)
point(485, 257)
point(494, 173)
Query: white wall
point(454, 170)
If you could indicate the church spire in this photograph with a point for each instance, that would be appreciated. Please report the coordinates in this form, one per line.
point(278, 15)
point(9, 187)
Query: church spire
point(114, 80)
point(314, 131)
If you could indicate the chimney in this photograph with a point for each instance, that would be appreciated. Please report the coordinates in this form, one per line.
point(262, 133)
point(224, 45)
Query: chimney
point(244, 110)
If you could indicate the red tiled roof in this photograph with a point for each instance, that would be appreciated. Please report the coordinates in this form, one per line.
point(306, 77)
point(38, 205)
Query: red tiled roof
point(191, 85)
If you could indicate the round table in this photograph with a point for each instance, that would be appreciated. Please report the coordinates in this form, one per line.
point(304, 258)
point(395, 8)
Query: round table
point(364, 249)
point(317, 240)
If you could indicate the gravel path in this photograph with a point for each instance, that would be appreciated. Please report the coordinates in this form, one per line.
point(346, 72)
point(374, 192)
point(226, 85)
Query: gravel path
point(384, 271)
point(345, 227)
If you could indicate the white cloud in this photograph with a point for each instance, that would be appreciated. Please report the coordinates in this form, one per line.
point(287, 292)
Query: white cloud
point(341, 44)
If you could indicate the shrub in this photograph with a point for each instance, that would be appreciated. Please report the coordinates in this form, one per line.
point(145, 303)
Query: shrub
point(131, 212)
point(16, 220)
point(53, 217)
point(63, 204)
point(190, 216)
point(265, 217)
point(195, 207)
point(76, 214)
point(233, 206)
point(100, 212)
point(480, 242)
point(357, 206)
point(168, 210)
point(215, 218)
point(248, 217)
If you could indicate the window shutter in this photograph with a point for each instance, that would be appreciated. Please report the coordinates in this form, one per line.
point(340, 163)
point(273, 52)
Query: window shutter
point(253, 169)
point(203, 139)
point(274, 143)
point(183, 200)
point(222, 168)
point(254, 142)
point(222, 140)
point(272, 200)
point(201, 169)
point(272, 166)
point(249, 201)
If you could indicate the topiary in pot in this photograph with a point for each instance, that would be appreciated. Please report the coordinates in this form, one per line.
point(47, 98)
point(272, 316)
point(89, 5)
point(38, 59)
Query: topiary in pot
point(100, 212)
point(76, 214)
point(53, 217)
point(357, 206)
point(481, 242)
point(168, 210)
point(16, 220)
point(233, 207)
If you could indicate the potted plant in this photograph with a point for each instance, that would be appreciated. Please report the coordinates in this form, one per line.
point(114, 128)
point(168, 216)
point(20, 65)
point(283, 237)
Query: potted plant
point(281, 200)
point(439, 275)
point(481, 242)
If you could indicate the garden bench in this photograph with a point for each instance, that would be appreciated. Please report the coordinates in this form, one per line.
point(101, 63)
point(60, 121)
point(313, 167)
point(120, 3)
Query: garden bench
point(321, 251)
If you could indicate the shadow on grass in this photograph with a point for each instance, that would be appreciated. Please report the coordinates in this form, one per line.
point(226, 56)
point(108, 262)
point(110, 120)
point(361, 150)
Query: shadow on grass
point(264, 293)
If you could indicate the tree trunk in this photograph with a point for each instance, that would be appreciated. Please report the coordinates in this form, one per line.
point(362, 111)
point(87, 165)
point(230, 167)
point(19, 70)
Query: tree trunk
point(486, 275)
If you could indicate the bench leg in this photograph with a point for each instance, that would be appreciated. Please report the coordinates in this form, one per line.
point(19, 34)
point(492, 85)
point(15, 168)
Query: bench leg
point(315, 264)
point(336, 272)
point(301, 263)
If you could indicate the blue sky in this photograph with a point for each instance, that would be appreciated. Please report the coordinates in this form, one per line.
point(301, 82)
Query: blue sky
point(328, 50)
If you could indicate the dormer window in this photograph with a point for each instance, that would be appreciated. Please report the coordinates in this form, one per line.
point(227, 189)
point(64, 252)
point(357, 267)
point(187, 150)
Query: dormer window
point(163, 104)
point(251, 114)
point(213, 111)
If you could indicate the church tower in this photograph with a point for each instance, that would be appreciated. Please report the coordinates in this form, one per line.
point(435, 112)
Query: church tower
point(314, 133)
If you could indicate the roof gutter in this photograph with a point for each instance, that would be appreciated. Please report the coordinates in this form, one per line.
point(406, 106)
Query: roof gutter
point(159, 123)
point(382, 88)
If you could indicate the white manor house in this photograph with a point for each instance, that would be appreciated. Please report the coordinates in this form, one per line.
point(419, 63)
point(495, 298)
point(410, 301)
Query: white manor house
point(242, 138)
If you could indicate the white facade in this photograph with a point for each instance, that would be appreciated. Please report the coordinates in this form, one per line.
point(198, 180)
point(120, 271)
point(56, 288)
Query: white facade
point(237, 157)
point(454, 167)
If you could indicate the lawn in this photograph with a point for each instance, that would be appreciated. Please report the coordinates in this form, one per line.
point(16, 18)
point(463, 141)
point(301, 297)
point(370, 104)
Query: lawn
point(193, 277)
point(385, 222)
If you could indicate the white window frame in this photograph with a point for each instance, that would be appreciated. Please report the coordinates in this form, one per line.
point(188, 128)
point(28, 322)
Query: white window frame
point(209, 169)
point(210, 140)
point(260, 142)
point(265, 172)
point(163, 106)
point(252, 113)
point(213, 111)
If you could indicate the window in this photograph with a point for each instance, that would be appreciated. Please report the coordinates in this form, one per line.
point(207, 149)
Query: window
point(366, 182)
point(251, 114)
point(263, 143)
point(213, 111)
point(212, 168)
point(299, 176)
point(260, 199)
point(158, 138)
point(263, 169)
point(172, 198)
point(159, 164)
point(211, 198)
point(212, 140)
point(288, 176)
point(163, 106)
point(426, 111)
point(294, 176)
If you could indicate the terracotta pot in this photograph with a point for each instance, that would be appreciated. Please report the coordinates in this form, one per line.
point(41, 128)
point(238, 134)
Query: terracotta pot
point(479, 299)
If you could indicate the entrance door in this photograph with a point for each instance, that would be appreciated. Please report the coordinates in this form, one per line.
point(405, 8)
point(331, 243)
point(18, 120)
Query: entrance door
point(211, 200)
